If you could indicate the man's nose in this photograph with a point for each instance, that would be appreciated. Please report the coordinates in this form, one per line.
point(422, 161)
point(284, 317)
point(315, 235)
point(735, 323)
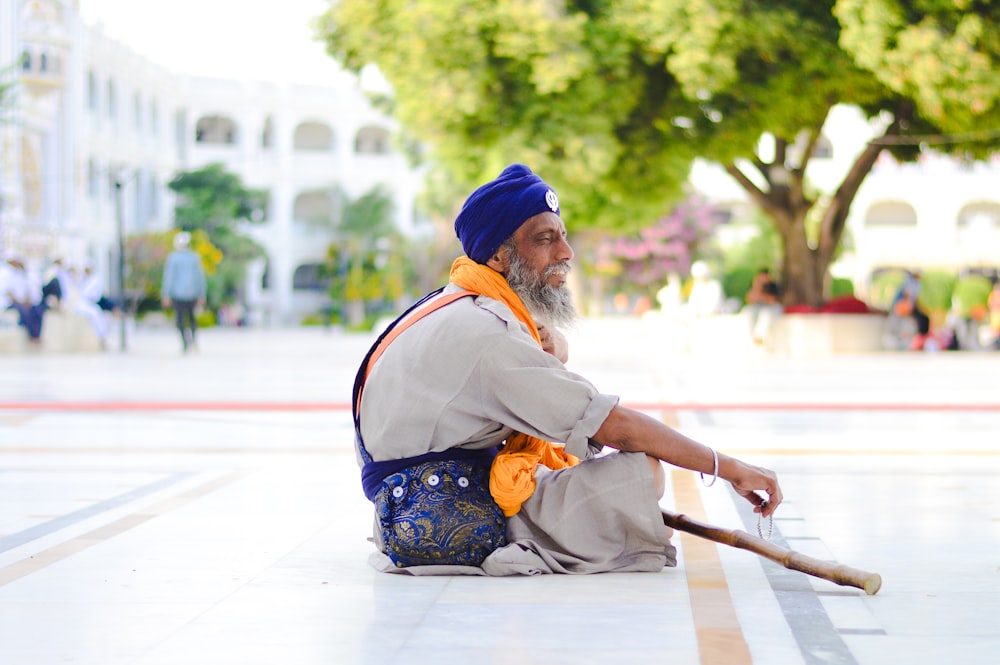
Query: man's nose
point(564, 252)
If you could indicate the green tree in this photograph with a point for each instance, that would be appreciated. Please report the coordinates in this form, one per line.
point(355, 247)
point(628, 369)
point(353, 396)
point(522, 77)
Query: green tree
point(212, 200)
point(367, 263)
point(613, 100)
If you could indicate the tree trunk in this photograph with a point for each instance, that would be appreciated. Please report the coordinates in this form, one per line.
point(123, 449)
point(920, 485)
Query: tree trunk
point(803, 270)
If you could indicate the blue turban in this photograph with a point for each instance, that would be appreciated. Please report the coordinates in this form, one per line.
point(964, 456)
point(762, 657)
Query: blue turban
point(493, 212)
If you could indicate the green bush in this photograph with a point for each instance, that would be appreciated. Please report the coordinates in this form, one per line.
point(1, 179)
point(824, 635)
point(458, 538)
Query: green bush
point(737, 281)
point(969, 292)
point(314, 319)
point(884, 288)
point(936, 289)
point(841, 286)
point(205, 318)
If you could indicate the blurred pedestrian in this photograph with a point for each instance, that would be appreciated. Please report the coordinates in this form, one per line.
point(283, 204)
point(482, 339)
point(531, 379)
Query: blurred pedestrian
point(706, 295)
point(184, 287)
point(993, 305)
point(905, 316)
point(93, 304)
point(57, 283)
point(20, 292)
point(763, 306)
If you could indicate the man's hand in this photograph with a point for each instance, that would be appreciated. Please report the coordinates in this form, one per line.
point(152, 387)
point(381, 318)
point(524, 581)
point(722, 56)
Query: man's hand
point(749, 480)
point(554, 342)
point(166, 302)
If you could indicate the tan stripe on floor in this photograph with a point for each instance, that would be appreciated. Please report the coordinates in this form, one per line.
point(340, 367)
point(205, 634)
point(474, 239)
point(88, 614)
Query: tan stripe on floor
point(720, 638)
point(40, 560)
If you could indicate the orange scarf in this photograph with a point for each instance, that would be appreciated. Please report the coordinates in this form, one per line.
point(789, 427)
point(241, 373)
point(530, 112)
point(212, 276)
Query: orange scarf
point(512, 476)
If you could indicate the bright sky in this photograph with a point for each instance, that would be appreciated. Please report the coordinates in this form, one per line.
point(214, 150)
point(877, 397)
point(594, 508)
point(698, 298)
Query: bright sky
point(267, 40)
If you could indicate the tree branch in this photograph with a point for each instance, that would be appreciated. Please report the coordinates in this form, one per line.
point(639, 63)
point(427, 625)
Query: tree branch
point(835, 217)
point(761, 198)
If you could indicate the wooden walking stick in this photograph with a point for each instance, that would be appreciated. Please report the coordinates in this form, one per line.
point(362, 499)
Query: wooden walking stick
point(834, 572)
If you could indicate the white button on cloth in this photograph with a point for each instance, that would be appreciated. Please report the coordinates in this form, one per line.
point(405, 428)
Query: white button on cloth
point(433, 480)
point(397, 492)
point(463, 482)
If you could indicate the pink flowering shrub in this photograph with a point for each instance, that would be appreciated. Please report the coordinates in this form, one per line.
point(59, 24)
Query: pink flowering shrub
point(640, 263)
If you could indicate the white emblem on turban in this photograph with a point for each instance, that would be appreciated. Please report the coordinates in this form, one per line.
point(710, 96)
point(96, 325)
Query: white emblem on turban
point(552, 200)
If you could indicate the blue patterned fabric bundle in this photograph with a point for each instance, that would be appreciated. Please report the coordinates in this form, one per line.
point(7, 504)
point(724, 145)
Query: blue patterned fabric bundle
point(439, 513)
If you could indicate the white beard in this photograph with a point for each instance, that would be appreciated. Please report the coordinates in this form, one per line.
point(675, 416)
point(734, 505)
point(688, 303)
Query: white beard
point(549, 305)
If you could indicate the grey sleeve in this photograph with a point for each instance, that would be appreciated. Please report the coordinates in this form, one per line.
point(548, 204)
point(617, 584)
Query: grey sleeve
point(527, 389)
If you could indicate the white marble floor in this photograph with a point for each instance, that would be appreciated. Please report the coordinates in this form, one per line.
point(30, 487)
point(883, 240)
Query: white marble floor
point(158, 508)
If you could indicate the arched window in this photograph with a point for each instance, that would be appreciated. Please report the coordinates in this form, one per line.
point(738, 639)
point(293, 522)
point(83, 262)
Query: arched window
point(891, 213)
point(154, 196)
point(313, 208)
point(139, 188)
point(215, 130)
point(137, 109)
point(267, 133)
point(154, 119)
point(93, 93)
point(112, 99)
point(311, 277)
point(371, 141)
point(313, 136)
point(93, 180)
point(980, 215)
point(26, 61)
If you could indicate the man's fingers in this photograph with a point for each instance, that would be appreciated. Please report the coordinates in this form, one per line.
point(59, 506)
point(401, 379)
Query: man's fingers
point(765, 507)
point(769, 505)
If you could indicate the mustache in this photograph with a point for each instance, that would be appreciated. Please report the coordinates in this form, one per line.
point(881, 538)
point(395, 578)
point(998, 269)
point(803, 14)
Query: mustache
point(562, 269)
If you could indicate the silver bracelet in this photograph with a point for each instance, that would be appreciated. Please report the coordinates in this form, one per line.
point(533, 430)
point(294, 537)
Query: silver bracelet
point(715, 471)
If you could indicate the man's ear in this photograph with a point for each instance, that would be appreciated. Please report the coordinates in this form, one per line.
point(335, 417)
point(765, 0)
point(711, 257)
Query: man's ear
point(500, 261)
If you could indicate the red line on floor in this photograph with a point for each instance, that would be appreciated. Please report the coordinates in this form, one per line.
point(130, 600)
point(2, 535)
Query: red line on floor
point(174, 406)
point(346, 406)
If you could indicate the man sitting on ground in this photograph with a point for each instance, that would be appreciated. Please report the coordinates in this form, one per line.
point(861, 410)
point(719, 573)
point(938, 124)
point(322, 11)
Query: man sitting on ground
point(487, 371)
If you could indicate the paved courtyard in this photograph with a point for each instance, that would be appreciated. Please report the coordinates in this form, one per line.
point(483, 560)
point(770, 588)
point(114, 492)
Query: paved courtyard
point(157, 508)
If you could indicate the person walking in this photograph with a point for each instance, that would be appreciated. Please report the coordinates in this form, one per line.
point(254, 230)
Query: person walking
point(184, 287)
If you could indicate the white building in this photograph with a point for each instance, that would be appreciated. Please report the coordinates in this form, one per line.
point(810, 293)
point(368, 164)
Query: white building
point(92, 118)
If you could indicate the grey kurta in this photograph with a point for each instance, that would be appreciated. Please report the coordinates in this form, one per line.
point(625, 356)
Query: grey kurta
point(470, 374)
